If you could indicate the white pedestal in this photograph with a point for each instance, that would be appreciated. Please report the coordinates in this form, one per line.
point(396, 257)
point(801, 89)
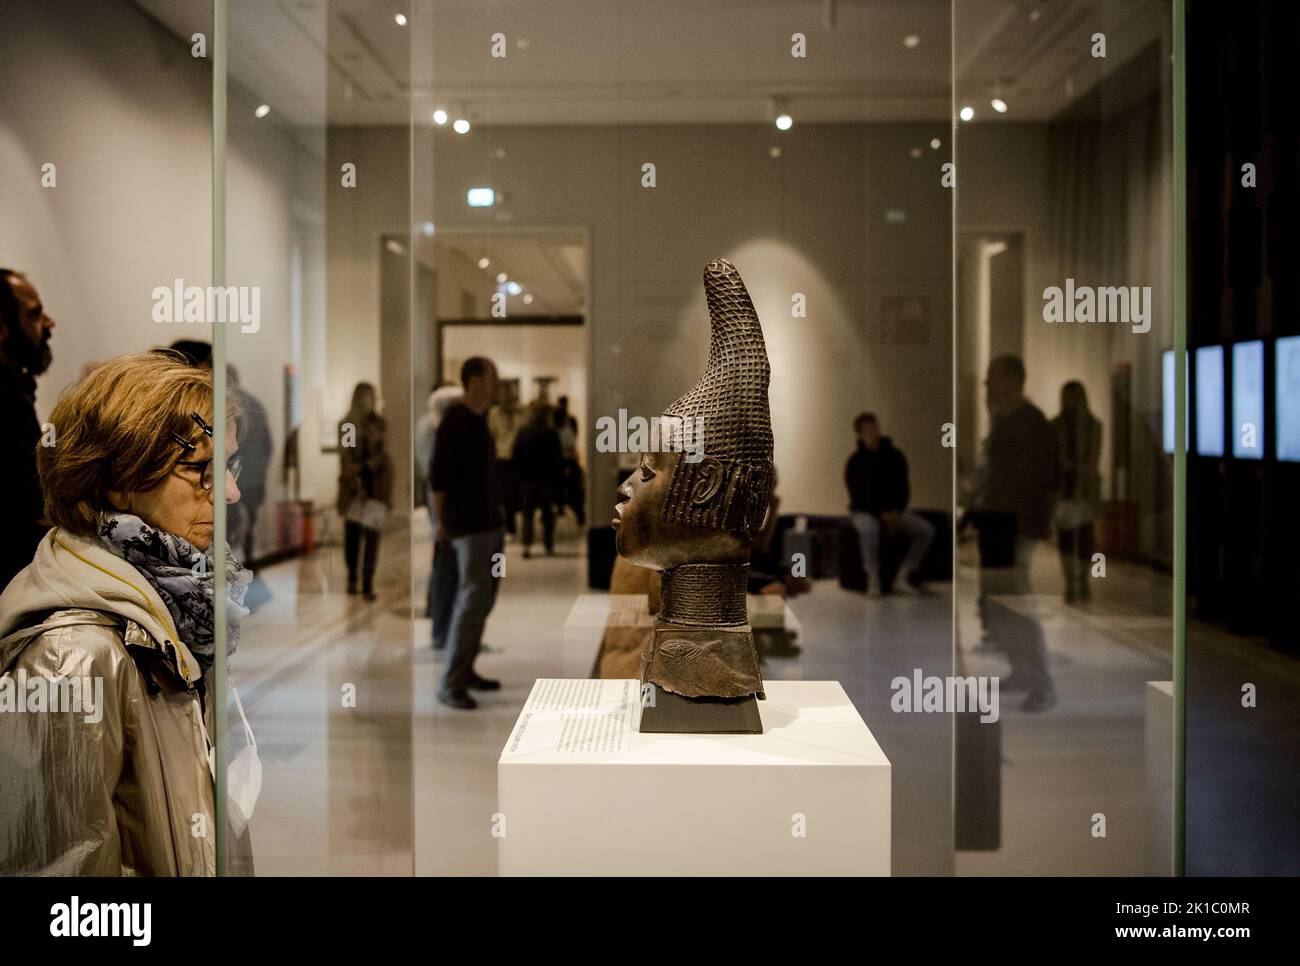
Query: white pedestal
point(1159, 857)
point(581, 791)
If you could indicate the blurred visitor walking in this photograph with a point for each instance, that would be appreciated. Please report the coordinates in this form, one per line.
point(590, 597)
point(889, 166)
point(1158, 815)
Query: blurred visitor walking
point(365, 486)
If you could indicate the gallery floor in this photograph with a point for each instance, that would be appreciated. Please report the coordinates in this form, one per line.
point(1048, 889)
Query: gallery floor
point(365, 773)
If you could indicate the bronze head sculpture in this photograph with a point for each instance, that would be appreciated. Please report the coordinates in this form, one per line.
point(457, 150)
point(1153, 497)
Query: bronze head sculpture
point(691, 510)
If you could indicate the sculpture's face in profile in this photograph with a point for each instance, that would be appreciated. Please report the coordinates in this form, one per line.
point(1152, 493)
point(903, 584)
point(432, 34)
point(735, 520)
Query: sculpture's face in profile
point(645, 539)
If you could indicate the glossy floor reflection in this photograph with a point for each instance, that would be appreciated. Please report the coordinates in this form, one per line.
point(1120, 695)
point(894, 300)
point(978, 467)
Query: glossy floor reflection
point(326, 683)
point(402, 784)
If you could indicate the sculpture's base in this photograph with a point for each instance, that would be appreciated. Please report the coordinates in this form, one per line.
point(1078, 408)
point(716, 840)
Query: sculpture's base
point(663, 712)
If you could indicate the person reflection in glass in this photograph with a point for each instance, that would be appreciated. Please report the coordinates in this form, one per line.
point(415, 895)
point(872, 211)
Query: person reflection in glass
point(1012, 510)
point(1078, 444)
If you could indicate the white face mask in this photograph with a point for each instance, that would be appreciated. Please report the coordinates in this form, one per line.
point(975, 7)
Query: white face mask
point(243, 775)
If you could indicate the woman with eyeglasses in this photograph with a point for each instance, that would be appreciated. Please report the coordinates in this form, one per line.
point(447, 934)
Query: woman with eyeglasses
point(106, 638)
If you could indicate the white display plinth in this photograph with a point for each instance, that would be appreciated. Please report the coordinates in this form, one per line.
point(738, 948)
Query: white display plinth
point(581, 791)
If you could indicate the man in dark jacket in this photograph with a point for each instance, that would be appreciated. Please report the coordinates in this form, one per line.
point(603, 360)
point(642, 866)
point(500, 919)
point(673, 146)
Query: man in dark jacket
point(468, 504)
point(24, 355)
point(876, 476)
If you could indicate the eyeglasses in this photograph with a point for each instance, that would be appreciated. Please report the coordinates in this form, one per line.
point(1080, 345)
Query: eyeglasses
point(233, 463)
point(205, 469)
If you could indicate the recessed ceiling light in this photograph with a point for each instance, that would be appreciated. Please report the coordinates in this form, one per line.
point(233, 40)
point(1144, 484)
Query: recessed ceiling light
point(528, 298)
point(967, 113)
point(514, 288)
point(427, 228)
point(460, 125)
point(784, 122)
point(999, 105)
point(911, 41)
point(1035, 14)
point(262, 110)
point(480, 197)
point(484, 262)
point(934, 143)
point(440, 117)
point(501, 278)
point(915, 152)
point(774, 151)
point(400, 18)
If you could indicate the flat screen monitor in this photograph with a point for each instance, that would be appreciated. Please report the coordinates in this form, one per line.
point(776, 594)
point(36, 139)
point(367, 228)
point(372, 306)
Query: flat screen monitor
point(1286, 359)
point(1209, 400)
point(1167, 407)
point(1248, 400)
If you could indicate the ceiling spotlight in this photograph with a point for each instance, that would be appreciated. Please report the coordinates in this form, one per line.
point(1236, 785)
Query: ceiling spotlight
point(501, 278)
point(514, 288)
point(262, 110)
point(427, 229)
point(915, 152)
point(934, 143)
point(999, 105)
point(400, 18)
point(911, 41)
point(774, 151)
point(440, 117)
point(484, 262)
point(460, 125)
point(480, 197)
point(967, 113)
point(528, 298)
point(779, 113)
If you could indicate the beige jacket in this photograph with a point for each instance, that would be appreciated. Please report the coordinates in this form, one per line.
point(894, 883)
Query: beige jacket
point(120, 789)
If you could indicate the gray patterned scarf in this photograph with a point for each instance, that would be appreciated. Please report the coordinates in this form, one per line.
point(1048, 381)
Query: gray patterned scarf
point(182, 575)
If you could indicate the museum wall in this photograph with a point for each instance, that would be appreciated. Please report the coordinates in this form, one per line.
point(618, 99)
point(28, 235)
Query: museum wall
point(813, 221)
point(124, 112)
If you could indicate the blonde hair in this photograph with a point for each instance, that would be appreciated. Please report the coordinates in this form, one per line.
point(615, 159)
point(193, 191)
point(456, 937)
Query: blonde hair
point(113, 431)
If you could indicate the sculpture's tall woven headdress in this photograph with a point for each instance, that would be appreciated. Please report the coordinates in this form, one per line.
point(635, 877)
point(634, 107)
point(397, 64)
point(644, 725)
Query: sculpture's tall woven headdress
point(729, 487)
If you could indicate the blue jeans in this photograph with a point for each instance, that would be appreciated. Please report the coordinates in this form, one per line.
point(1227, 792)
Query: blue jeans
point(476, 592)
point(870, 529)
point(442, 590)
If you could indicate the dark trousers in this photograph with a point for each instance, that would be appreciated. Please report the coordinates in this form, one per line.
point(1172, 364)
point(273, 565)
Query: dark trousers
point(536, 496)
point(574, 497)
point(479, 558)
point(354, 535)
point(1076, 547)
point(442, 590)
point(509, 497)
point(1006, 607)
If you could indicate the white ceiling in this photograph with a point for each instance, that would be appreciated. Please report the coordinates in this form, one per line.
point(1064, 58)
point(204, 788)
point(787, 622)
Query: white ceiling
point(551, 267)
point(666, 61)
